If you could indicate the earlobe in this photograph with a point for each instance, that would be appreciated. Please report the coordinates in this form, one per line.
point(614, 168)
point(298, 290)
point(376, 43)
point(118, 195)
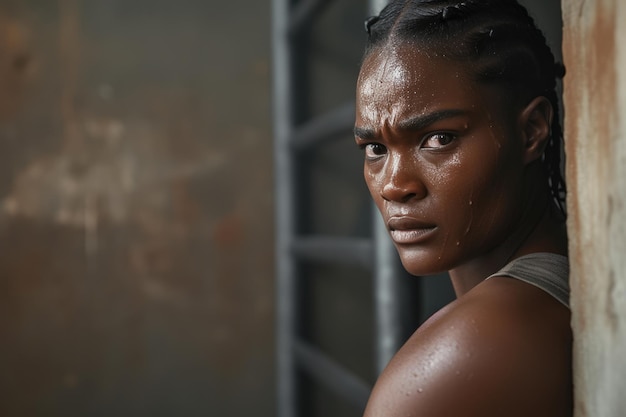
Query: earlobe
point(536, 122)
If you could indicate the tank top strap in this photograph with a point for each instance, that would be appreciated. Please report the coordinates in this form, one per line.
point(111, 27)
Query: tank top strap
point(547, 271)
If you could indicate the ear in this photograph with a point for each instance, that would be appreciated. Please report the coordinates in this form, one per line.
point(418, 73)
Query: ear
point(535, 123)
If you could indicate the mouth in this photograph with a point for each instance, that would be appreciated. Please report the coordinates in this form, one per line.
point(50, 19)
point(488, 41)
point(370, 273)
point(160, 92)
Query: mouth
point(409, 230)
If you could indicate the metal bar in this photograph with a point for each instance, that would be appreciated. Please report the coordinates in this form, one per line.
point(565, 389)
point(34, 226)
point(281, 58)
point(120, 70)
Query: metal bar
point(337, 250)
point(284, 221)
point(324, 128)
point(304, 12)
point(332, 375)
point(388, 285)
point(388, 295)
point(375, 6)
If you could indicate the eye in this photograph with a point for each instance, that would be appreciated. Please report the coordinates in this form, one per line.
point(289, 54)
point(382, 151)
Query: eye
point(374, 150)
point(438, 140)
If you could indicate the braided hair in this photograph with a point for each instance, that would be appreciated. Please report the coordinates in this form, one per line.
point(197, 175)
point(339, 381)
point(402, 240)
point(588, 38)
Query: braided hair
point(501, 40)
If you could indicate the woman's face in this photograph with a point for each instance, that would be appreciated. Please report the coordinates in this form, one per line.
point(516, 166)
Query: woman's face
point(443, 157)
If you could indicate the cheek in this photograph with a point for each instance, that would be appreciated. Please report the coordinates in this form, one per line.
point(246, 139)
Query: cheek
point(463, 185)
point(487, 203)
point(447, 182)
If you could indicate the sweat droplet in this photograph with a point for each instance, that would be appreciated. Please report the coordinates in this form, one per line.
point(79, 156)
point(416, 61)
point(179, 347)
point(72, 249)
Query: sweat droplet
point(471, 202)
point(420, 390)
point(458, 243)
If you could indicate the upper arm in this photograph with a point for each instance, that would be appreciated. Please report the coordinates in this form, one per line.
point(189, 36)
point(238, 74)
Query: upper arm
point(471, 361)
point(437, 373)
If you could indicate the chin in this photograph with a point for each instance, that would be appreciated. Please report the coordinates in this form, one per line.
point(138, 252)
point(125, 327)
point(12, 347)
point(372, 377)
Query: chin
point(421, 263)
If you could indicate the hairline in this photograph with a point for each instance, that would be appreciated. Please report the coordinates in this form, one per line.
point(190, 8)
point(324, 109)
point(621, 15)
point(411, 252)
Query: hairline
point(431, 46)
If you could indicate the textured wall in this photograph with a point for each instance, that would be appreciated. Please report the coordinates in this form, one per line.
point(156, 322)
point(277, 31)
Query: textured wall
point(595, 102)
point(135, 208)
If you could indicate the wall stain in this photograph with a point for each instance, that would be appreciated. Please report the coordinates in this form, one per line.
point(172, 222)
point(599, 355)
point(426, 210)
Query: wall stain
point(17, 65)
point(590, 97)
point(591, 135)
point(78, 189)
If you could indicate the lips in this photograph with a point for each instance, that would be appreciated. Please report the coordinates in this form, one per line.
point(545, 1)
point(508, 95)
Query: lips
point(405, 229)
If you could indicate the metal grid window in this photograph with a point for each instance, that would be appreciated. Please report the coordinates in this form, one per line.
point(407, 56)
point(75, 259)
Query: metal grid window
point(344, 303)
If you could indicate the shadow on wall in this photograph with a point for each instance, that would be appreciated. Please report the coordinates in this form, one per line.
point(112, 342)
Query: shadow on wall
point(136, 260)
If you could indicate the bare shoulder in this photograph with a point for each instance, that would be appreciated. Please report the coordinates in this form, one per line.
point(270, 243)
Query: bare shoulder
point(502, 349)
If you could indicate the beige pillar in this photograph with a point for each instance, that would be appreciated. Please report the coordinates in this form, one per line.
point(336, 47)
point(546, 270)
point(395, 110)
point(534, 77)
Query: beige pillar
point(594, 50)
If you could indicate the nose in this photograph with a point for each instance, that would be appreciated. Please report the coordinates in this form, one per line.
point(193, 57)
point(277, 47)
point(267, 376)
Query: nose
point(402, 181)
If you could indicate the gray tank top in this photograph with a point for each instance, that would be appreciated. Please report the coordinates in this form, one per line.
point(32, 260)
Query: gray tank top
point(547, 271)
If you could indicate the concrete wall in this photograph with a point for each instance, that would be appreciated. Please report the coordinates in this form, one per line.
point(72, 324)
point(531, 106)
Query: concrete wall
point(136, 255)
point(595, 130)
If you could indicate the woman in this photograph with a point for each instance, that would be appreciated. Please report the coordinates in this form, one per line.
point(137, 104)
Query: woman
point(457, 117)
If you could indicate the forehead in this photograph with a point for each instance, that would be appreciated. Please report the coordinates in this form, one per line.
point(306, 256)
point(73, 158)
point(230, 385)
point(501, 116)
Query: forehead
point(396, 79)
point(396, 60)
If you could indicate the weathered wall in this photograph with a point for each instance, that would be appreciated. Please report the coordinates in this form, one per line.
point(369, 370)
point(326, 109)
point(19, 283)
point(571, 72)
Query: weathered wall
point(136, 273)
point(595, 103)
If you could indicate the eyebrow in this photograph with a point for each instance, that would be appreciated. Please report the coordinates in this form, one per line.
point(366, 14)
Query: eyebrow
point(414, 123)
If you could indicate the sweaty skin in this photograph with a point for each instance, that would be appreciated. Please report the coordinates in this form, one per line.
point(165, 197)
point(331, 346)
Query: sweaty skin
point(453, 166)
